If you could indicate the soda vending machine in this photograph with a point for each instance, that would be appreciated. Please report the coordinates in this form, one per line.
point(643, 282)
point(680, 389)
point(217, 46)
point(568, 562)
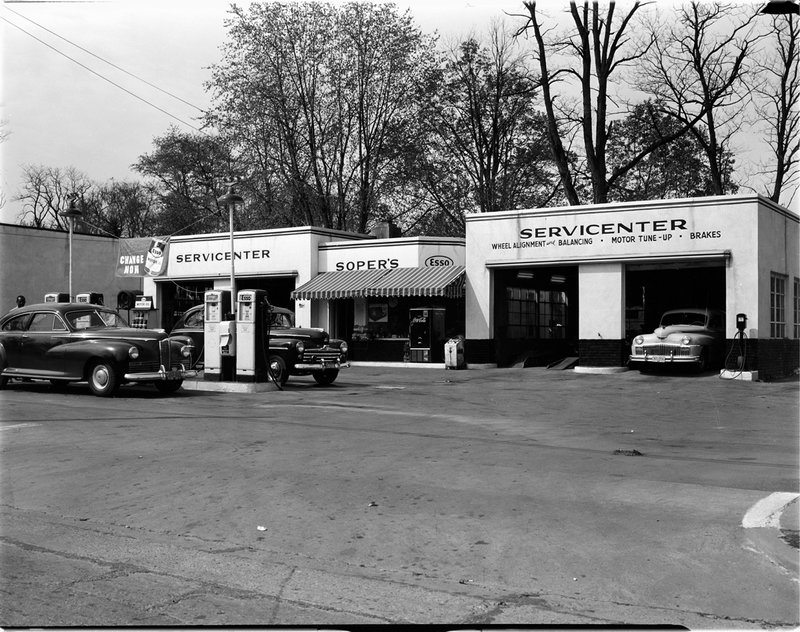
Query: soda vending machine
point(426, 334)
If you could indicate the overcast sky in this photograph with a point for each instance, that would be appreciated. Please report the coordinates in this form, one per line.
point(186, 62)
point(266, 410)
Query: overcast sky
point(58, 113)
point(62, 112)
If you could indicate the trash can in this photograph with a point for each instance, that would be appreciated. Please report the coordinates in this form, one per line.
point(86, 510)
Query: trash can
point(454, 353)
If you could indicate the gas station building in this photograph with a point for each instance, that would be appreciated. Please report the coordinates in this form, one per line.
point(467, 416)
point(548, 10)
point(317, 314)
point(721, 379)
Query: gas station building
point(524, 287)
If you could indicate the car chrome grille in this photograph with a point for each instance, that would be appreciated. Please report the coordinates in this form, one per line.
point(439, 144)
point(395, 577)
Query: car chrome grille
point(325, 353)
point(664, 350)
point(164, 352)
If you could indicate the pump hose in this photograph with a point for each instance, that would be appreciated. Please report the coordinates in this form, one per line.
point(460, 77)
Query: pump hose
point(740, 335)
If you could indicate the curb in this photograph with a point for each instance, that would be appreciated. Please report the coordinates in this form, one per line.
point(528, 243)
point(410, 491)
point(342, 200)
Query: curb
point(767, 512)
point(769, 523)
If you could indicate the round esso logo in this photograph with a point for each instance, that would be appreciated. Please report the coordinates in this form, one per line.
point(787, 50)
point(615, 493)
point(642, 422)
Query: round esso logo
point(438, 260)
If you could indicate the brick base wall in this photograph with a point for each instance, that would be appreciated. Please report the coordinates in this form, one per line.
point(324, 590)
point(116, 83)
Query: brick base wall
point(772, 358)
point(603, 353)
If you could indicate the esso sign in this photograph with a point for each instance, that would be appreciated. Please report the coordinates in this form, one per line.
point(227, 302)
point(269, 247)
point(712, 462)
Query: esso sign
point(438, 261)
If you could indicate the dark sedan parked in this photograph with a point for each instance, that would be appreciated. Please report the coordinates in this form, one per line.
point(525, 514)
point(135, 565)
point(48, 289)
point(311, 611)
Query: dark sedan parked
point(75, 342)
point(292, 350)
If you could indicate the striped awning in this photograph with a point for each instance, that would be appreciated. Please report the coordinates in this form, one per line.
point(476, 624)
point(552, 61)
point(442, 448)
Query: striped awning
point(446, 281)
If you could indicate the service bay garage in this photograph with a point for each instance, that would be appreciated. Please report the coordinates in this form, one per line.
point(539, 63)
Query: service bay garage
point(582, 281)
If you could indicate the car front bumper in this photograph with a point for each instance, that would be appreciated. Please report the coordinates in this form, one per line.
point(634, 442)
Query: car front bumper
point(161, 375)
point(678, 355)
point(322, 365)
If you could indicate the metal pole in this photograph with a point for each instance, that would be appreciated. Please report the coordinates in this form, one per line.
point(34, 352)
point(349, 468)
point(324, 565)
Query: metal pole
point(231, 206)
point(71, 222)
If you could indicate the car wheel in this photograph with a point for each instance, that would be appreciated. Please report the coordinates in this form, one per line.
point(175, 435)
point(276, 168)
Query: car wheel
point(103, 379)
point(324, 378)
point(168, 386)
point(3, 381)
point(277, 370)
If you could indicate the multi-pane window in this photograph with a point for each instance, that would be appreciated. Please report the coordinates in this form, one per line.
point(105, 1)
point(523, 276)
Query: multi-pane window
point(777, 306)
point(521, 312)
point(796, 307)
point(538, 314)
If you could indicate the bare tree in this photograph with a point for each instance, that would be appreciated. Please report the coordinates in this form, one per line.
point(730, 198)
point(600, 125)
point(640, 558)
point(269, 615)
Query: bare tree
point(601, 43)
point(695, 70)
point(123, 209)
point(46, 191)
point(480, 124)
point(778, 101)
point(320, 96)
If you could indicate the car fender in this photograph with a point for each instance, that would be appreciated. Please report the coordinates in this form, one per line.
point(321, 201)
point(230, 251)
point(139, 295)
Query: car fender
point(182, 339)
point(85, 350)
point(285, 348)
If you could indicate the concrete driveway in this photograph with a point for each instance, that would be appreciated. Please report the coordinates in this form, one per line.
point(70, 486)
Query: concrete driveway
point(498, 496)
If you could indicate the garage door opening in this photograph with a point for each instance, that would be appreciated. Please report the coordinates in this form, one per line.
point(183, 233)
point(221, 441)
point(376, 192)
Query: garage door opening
point(536, 314)
point(651, 289)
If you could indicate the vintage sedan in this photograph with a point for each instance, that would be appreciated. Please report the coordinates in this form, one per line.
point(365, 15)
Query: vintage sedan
point(292, 350)
point(75, 342)
point(191, 326)
point(693, 336)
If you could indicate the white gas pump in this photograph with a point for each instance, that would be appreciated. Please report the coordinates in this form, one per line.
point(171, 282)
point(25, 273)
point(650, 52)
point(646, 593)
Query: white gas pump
point(93, 298)
point(56, 297)
point(219, 333)
point(250, 354)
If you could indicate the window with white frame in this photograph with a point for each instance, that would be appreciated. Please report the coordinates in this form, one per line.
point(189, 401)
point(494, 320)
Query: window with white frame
point(796, 307)
point(777, 306)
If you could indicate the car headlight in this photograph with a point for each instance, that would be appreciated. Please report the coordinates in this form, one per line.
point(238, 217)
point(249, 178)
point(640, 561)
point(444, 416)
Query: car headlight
point(186, 351)
point(343, 348)
point(686, 340)
point(638, 340)
point(300, 347)
point(133, 353)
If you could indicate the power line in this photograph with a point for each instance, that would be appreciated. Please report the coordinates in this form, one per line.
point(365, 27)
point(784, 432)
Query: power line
point(136, 96)
point(113, 65)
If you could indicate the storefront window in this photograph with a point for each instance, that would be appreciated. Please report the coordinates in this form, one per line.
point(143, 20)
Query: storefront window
point(385, 318)
point(796, 307)
point(178, 298)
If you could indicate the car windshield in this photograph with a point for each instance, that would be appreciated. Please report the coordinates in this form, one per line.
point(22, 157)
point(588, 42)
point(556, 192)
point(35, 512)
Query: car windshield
point(86, 318)
point(281, 319)
point(683, 318)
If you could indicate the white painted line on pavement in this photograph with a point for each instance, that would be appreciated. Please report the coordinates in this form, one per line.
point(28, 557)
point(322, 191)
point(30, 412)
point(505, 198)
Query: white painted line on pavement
point(767, 511)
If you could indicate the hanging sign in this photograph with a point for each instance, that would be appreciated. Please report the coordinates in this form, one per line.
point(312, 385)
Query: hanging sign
point(142, 256)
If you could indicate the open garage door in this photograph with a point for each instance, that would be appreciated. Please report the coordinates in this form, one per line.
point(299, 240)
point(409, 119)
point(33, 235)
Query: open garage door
point(651, 289)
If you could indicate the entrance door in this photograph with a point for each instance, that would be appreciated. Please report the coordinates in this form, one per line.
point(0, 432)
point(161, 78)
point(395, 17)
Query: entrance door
point(342, 314)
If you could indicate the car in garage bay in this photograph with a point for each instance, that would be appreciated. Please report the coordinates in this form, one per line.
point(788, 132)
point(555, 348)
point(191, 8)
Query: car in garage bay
point(691, 336)
point(80, 342)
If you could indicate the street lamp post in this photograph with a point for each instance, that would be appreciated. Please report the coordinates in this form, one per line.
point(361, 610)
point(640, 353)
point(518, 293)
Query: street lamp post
point(71, 213)
point(232, 201)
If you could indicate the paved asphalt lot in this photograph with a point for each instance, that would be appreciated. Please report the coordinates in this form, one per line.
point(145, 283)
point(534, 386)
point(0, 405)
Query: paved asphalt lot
point(499, 496)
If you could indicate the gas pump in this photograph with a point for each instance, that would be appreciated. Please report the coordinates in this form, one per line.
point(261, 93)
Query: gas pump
point(219, 336)
point(251, 318)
